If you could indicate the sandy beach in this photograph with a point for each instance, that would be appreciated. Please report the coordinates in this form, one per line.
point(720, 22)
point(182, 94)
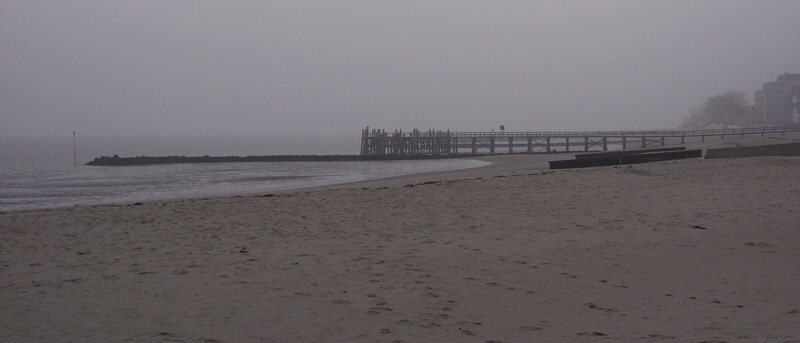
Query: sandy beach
point(679, 251)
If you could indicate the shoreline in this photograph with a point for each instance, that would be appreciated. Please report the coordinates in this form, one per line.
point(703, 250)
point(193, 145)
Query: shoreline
point(500, 163)
point(225, 180)
point(497, 162)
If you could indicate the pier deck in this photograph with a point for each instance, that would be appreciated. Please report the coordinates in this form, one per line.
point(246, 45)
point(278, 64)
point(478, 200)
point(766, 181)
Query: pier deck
point(433, 142)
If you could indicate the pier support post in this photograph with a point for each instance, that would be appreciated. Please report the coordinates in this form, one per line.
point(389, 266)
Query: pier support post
point(605, 143)
point(644, 142)
point(364, 142)
point(510, 145)
point(624, 143)
point(567, 140)
point(491, 145)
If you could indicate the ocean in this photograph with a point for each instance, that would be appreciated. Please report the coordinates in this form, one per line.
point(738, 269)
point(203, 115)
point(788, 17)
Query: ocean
point(39, 173)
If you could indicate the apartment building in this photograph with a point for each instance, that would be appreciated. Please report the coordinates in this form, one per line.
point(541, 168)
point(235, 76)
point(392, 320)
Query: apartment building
point(780, 100)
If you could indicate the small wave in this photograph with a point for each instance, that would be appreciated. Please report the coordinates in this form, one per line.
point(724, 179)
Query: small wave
point(272, 178)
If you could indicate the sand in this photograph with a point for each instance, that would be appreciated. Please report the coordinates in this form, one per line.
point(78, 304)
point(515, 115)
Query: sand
point(679, 251)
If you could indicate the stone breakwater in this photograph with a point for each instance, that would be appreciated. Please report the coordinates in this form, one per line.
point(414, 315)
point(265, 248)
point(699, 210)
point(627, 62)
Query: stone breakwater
point(149, 160)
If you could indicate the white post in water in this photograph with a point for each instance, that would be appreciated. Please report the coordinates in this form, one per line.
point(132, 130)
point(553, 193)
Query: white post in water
point(74, 149)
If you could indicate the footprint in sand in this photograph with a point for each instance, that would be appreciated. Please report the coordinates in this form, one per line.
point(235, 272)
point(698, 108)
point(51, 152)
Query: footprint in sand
point(529, 328)
point(593, 333)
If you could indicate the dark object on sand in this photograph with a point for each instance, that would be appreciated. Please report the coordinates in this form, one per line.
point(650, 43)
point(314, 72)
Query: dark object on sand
point(626, 152)
point(626, 157)
point(787, 149)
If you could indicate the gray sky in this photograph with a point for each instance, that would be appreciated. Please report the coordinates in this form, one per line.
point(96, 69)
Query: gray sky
point(280, 67)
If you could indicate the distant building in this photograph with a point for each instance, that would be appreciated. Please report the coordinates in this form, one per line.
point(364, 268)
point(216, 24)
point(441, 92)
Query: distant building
point(781, 100)
point(796, 104)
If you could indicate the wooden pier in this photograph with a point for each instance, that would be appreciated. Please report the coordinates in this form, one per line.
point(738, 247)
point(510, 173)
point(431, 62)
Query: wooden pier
point(436, 142)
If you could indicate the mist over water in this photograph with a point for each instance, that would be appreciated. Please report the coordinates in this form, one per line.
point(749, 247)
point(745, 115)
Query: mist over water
point(41, 173)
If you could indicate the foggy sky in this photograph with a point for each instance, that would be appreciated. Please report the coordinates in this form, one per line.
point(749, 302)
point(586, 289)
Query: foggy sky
point(334, 67)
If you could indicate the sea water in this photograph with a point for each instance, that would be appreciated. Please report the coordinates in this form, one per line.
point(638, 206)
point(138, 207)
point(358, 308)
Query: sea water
point(38, 173)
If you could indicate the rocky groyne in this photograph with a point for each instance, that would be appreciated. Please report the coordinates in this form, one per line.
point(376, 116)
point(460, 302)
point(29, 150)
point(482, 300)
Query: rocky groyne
point(150, 160)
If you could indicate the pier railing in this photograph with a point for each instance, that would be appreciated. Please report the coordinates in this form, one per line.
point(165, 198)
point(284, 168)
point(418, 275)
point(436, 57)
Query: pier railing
point(437, 142)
